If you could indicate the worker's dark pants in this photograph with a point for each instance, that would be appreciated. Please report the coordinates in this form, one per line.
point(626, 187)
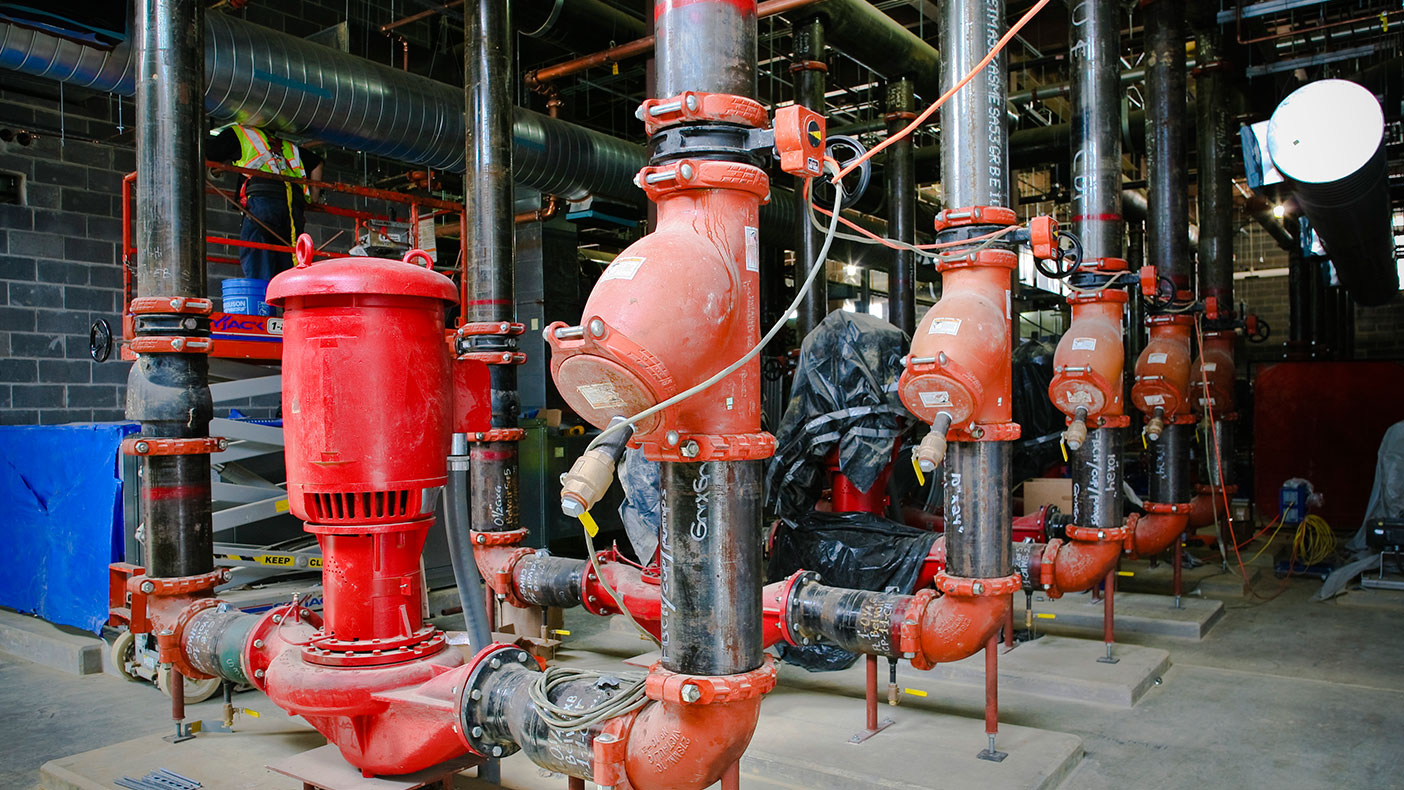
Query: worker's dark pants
point(270, 209)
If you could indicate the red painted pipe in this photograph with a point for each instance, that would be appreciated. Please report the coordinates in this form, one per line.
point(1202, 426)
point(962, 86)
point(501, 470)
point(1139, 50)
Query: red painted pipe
point(1156, 532)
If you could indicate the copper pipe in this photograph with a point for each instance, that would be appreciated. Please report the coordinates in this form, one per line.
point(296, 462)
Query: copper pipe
point(546, 212)
point(1300, 31)
point(412, 18)
point(539, 78)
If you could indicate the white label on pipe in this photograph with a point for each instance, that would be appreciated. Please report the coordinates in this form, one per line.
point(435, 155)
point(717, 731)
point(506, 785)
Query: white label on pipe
point(1008, 304)
point(1155, 400)
point(1156, 359)
point(944, 326)
point(752, 249)
point(623, 268)
point(601, 396)
point(1084, 344)
point(932, 400)
point(1209, 367)
point(275, 326)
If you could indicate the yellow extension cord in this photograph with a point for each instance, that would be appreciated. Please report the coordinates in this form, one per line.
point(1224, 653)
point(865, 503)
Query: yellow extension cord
point(1313, 542)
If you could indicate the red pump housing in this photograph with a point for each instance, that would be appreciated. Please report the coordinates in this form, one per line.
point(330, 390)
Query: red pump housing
point(1163, 369)
point(1088, 363)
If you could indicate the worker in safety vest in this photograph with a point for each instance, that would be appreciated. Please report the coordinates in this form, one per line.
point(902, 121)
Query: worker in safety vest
point(273, 209)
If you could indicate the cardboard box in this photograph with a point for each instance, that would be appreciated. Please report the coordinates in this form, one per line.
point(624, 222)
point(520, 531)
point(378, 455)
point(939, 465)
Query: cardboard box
point(1040, 491)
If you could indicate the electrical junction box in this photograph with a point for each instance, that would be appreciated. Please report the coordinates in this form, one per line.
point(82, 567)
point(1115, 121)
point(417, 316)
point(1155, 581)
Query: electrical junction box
point(1292, 502)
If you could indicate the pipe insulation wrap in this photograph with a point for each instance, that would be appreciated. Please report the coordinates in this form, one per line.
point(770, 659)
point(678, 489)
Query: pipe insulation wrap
point(282, 83)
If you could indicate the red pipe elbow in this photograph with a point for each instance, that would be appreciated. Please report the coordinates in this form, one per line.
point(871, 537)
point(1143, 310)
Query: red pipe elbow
point(956, 626)
point(1081, 564)
point(638, 593)
point(1156, 532)
point(677, 746)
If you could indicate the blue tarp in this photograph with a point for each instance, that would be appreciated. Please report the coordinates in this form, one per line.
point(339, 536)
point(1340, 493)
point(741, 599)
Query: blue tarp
point(60, 519)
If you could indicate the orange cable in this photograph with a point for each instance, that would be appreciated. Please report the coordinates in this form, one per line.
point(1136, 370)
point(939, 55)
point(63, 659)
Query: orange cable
point(921, 119)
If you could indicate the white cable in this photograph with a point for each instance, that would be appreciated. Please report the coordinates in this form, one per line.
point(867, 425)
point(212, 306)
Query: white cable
point(817, 266)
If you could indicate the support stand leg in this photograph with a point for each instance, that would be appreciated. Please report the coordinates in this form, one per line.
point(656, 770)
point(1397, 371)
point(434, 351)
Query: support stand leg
point(177, 687)
point(1178, 587)
point(1109, 616)
point(576, 783)
point(892, 682)
point(992, 702)
point(731, 780)
point(873, 726)
point(1009, 626)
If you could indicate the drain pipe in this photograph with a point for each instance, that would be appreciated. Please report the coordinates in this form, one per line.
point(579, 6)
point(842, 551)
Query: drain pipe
point(809, 69)
point(901, 207)
point(1161, 391)
point(1087, 383)
point(168, 387)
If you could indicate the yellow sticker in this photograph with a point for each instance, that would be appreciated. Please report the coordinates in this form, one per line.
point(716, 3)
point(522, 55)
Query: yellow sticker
point(588, 522)
point(274, 559)
point(916, 467)
point(1125, 573)
point(1045, 615)
point(914, 692)
point(614, 69)
point(314, 562)
point(281, 506)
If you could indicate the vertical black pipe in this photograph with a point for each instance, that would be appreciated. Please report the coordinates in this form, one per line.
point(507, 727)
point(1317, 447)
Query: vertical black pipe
point(169, 393)
point(809, 92)
point(901, 208)
point(1169, 456)
point(706, 46)
point(1167, 182)
point(488, 262)
point(975, 172)
point(710, 544)
point(1095, 50)
point(1298, 288)
point(1216, 225)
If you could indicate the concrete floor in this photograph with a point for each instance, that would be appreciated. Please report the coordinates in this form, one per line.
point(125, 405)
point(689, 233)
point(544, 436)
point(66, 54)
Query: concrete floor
point(1286, 693)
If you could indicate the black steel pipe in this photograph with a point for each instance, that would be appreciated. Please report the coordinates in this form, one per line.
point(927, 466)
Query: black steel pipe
point(859, 621)
point(901, 208)
point(215, 640)
point(1095, 52)
point(543, 580)
point(1167, 179)
point(977, 488)
point(710, 546)
point(1170, 467)
point(169, 393)
point(809, 92)
point(1215, 189)
point(974, 126)
point(578, 24)
point(1095, 469)
point(706, 46)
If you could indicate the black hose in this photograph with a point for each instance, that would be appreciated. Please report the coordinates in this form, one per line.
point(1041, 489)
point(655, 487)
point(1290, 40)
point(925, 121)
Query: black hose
point(465, 568)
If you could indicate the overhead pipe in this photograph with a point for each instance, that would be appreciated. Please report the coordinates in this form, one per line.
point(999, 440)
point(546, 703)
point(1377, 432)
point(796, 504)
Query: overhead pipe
point(1162, 388)
point(901, 207)
point(576, 24)
point(1327, 140)
point(859, 29)
point(809, 68)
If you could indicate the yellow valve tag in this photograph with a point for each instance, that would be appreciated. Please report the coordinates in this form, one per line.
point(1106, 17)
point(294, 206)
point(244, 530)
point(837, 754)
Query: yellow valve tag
point(1144, 446)
point(561, 632)
point(250, 712)
point(1045, 615)
point(614, 69)
point(1063, 443)
point(916, 467)
point(588, 522)
point(1125, 573)
point(915, 692)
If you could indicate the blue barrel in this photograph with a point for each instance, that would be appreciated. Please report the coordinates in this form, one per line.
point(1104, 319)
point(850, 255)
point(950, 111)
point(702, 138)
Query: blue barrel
point(244, 296)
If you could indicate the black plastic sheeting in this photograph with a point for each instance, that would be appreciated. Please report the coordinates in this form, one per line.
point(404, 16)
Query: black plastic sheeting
point(855, 550)
point(844, 395)
point(1041, 423)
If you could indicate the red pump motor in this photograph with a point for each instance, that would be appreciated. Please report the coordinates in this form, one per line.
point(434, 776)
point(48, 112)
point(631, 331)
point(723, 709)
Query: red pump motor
point(367, 402)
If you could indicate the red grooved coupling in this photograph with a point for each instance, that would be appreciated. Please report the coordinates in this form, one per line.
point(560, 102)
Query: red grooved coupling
point(667, 686)
point(1098, 534)
point(698, 447)
point(659, 181)
point(167, 344)
point(506, 538)
point(498, 435)
point(694, 106)
point(491, 328)
point(1161, 507)
point(975, 215)
point(968, 587)
point(909, 633)
point(988, 432)
point(177, 585)
point(141, 445)
point(168, 305)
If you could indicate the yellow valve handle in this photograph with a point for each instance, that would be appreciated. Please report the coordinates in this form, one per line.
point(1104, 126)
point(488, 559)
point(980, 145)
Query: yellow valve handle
point(250, 712)
point(561, 632)
point(1125, 573)
point(1045, 615)
point(1063, 443)
point(588, 522)
point(916, 467)
point(1143, 441)
point(915, 692)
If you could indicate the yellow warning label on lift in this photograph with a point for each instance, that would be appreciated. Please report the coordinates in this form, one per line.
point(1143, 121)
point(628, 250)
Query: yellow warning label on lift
point(281, 506)
point(314, 562)
point(281, 560)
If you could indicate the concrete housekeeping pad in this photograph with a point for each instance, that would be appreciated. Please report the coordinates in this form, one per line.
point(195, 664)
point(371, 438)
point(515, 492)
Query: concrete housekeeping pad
point(1136, 613)
point(44, 643)
point(1209, 580)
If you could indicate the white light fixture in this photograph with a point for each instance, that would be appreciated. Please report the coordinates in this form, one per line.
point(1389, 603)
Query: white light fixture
point(1279, 211)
